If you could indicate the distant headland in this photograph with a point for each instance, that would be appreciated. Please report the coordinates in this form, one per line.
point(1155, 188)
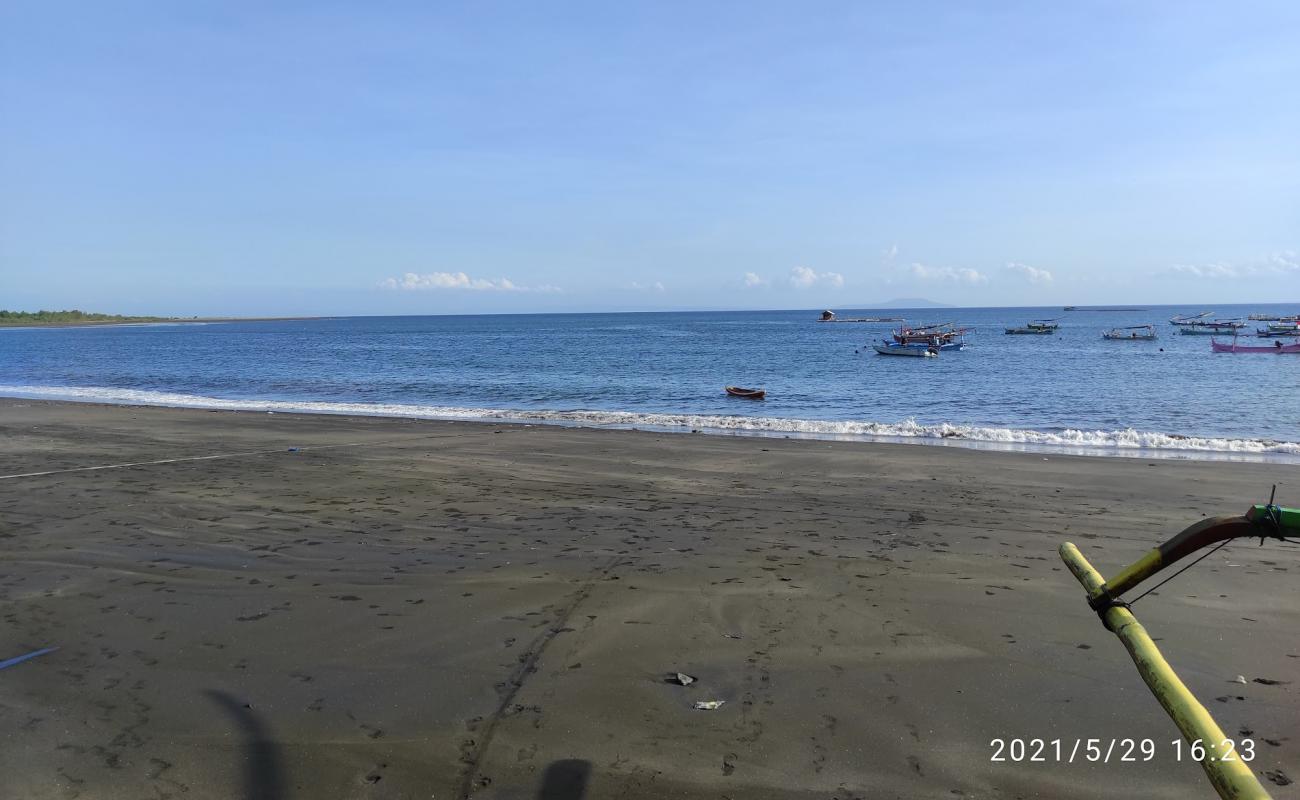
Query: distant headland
point(34, 319)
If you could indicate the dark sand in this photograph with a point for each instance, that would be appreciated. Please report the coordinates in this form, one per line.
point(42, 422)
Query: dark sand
point(437, 608)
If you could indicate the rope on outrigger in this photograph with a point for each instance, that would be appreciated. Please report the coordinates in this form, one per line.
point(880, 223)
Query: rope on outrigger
point(1232, 779)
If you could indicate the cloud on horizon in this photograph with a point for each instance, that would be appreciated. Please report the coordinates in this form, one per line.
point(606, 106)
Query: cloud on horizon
point(804, 277)
point(753, 279)
point(412, 282)
point(962, 275)
point(1032, 274)
point(656, 286)
point(1284, 263)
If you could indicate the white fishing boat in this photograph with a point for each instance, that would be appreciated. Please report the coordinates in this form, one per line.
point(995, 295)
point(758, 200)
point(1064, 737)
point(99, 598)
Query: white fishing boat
point(913, 350)
point(1135, 333)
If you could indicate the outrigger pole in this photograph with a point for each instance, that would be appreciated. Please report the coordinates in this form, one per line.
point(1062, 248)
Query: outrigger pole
point(1232, 779)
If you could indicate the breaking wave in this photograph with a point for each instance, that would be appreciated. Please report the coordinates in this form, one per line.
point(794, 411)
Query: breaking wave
point(1070, 440)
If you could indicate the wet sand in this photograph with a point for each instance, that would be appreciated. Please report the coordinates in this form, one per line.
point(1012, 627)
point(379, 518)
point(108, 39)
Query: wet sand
point(436, 610)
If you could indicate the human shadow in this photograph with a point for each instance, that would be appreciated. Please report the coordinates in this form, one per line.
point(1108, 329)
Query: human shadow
point(565, 780)
point(263, 773)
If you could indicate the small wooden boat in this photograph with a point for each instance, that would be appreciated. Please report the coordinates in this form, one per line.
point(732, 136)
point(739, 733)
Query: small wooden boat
point(916, 351)
point(1226, 328)
point(943, 335)
point(1044, 324)
point(1136, 333)
point(1191, 319)
point(1277, 347)
point(1270, 332)
point(1030, 330)
point(748, 394)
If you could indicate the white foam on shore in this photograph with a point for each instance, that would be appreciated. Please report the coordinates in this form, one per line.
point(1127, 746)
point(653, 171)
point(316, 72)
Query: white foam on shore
point(1116, 442)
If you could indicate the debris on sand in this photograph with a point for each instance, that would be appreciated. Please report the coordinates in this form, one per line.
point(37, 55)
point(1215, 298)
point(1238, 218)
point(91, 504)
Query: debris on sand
point(681, 678)
point(708, 705)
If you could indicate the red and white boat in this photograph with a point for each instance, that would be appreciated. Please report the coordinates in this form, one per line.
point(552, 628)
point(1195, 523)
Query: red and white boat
point(1276, 347)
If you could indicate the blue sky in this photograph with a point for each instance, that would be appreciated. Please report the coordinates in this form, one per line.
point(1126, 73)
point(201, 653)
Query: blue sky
point(319, 158)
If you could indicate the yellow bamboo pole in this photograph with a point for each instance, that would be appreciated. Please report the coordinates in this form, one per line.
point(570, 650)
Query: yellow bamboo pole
point(1233, 780)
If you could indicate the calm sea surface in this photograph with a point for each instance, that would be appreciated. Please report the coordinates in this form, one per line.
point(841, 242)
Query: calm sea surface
point(1072, 391)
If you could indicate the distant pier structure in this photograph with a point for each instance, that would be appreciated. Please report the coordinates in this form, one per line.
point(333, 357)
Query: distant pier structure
point(829, 316)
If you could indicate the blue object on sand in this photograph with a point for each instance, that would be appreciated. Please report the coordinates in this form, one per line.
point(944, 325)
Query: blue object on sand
point(20, 659)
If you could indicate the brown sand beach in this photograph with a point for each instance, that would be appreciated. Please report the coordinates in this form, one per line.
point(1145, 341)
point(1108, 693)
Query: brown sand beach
point(376, 608)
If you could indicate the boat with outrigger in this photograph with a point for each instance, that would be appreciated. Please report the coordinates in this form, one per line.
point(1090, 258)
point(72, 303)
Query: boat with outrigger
point(1038, 327)
point(944, 336)
point(1229, 774)
point(1181, 320)
point(913, 350)
point(1133, 333)
point(1277, 347)
point(1278, 329)
point(1218, 328)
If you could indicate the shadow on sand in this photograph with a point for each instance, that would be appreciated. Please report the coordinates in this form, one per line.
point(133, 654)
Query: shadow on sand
point(263, 775)
point(565, 780)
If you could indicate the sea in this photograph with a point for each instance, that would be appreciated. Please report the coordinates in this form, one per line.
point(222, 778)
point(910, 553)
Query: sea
point(1071, 392)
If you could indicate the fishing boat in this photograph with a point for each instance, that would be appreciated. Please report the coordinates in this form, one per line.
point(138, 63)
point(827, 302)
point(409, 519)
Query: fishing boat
point(1044, 324)
point(1139, 333)
point(1277, 347)
point(1226, 327)
point(1196, 319)
point(1270, 332)
point(943, 335)
point(1030, 330)
point(914, 350)
point(748, 394)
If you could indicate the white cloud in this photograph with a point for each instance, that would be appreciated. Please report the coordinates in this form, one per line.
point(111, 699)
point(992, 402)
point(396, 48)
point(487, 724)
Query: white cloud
point(963, 275)
point(752, 279)
point(458, 280)
point(1283, 263)
point(891, 253)
point(1032, 274)
point(803, 277)
point(657, 286)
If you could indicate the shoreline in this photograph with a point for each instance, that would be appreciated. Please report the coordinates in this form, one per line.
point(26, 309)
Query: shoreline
point(1106, 444)
point(425, 606)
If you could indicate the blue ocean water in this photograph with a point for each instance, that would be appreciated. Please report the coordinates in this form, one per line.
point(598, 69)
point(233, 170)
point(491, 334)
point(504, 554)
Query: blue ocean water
point(1069, 391)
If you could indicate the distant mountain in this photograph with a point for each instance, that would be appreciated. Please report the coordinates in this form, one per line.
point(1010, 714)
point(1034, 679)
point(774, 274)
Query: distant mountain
point(908, 302)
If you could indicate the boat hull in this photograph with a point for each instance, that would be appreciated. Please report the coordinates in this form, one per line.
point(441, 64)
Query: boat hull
point(1204, 331)
point(915, 351)
point(746, 394)
point(1220, 347)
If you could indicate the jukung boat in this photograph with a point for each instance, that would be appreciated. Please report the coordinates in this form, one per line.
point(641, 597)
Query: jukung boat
point(914, 350)
point(1138, 333)
point(1277, 347)
point(1270, 332)
point(748, 394)
point(1226, 327)
point(1036, 328)
point(1195, 319)
point(945, 336)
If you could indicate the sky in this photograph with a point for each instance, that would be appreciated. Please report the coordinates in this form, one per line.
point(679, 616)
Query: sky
point(286, 158)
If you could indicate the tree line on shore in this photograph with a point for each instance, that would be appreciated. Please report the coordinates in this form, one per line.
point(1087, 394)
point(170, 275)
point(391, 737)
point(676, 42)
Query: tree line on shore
point(44, 317)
